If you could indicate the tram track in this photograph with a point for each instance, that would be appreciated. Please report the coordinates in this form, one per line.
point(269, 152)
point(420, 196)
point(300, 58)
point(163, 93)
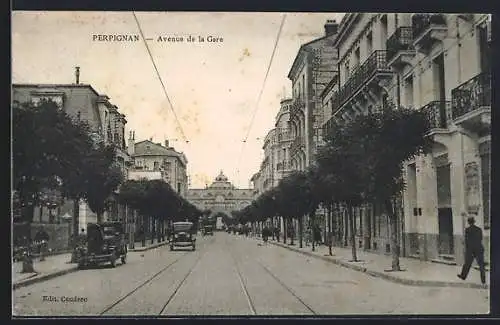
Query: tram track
point(150, 279)
point(242, 283)
point(274, 277)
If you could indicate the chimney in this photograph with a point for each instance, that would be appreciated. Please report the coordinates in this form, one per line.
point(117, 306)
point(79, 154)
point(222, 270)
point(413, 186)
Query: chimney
point(331, 27)
point(77, 75)
point(131, 144)
point(166, 144)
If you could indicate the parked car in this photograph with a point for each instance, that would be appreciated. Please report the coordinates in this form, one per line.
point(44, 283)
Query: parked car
point(106, 242)
point(183, 235)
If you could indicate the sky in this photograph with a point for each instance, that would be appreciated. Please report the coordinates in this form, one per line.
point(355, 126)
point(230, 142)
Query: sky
point(213, 87)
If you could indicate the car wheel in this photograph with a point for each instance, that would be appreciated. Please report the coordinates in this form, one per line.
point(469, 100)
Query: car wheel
point(124, 259)
point(171, 248)
point(113, 260)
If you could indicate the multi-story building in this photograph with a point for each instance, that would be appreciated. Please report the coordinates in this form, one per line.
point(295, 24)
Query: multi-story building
point(283, 141)
point(438, 63)
point(80, 101)
point(221, 197)
point(157, 161)
point(257, 183)
point(268, 164)
point(312, 69)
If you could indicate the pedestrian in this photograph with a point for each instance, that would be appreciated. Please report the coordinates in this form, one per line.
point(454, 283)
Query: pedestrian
point(42, 240)
point(473, 250)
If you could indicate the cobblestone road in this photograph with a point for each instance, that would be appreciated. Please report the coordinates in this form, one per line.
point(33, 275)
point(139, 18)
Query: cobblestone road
point(232, 275)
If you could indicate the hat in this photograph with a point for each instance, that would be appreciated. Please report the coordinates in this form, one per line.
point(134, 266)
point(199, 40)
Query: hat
point(471, 220)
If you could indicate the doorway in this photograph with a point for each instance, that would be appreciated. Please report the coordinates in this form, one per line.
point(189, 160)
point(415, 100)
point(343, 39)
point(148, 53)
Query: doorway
point(445, 240)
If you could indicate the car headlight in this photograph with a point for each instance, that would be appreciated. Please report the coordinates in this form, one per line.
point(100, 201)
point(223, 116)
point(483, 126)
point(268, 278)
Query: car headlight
point(176, 236)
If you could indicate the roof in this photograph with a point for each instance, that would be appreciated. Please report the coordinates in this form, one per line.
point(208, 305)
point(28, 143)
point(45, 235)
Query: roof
point(156, 150)
point(300, 51)
point(27, 85)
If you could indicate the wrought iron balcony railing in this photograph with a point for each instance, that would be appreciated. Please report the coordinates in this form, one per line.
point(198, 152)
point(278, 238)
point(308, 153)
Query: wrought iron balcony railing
point(437, 112)
point(296, 106)
point(376, 62)
point(421, 22)
point(471, 95)
point(401, 40)
point(283, 136)
point(297, 143)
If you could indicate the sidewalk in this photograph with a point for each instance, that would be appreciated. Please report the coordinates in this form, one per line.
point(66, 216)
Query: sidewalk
point(54, 265)
point(57, 265)
point(139, 248)
point(416, 272)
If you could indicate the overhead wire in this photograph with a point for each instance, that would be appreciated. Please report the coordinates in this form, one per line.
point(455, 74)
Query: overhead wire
point(254, 113)
point(159, 78)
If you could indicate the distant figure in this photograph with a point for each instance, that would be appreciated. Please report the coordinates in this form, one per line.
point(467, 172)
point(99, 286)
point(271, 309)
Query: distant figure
point(473, 250)
point(265, 234)
point(42, 240)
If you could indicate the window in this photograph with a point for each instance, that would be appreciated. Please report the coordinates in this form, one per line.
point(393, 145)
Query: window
point(484, 49)
point(408, 92)
point(156, 165)
point(369, 43)
point(347, 71)
point(357, 58)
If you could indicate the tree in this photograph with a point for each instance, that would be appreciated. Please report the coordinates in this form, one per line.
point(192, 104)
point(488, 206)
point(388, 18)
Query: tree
point(103, 178)
point(48, 148)
point(391, 137)
point(342, 159)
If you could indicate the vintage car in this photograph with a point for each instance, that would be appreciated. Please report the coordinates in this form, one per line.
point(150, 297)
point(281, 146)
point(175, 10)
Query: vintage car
point(183, 235)
point(106, 242)
point(208, 230)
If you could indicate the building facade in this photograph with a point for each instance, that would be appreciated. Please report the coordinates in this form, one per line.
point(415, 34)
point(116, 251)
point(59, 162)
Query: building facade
point(268, 168)
point(438, 63)
point(221, 196)
point(80, 101)
point(283, 141)
point(313, 67)
point(157, 161)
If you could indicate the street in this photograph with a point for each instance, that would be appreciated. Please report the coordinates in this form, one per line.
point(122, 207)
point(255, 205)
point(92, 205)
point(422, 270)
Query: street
point(235, 275)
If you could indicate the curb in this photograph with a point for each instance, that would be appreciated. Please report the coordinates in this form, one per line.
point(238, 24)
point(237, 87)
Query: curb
point(387, 276)
point(142, 249)
point(43, 277)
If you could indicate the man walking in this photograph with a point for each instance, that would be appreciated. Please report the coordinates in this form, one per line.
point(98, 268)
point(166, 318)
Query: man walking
point(473, 250)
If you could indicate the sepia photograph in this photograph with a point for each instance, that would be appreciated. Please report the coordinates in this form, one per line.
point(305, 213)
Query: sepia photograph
point(188, 163)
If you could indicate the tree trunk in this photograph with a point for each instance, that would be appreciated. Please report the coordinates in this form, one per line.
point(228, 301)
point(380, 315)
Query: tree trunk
point(153, 229)
point(330, 234)
point(313, 230)
point(292, 231)
point(285, 229)
point(273, 222)
point(352, 231)
point(301, 230)
point(76, 216)
point(27, 265)
point(346, 228)
point(99, 217)
point(394, 235)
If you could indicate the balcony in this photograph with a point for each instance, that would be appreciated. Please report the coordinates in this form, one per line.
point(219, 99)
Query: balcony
point(471, 104)
point(400, 51)
point(284, 136)
point(437, 112)
point(428, 29)
point(369, 76)
point(297, 143)
point(296, 107)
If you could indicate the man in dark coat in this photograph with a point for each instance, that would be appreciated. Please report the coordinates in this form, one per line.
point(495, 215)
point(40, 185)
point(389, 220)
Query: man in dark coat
point(473, 250)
